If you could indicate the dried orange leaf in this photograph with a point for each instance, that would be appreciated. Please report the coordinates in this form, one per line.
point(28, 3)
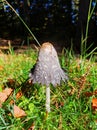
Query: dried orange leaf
point(3, 97)
point(94, 104)
point(7, 91)
point(19, 95)
point(18, 112)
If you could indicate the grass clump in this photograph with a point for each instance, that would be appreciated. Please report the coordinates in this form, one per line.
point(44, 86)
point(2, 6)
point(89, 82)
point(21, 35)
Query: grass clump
point(71, 103)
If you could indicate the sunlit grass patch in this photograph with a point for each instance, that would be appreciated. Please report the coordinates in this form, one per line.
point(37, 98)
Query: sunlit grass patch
point(17, 65)
point(71, 102)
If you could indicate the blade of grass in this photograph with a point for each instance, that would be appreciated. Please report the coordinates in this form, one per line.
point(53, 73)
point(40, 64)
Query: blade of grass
point(84, 48)
point(3, 121)
point(22, 21)
point(88, 19)
point(91, 52)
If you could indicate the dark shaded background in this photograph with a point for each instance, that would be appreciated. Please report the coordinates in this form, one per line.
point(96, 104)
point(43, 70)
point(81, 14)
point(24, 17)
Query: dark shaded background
point(60, 21)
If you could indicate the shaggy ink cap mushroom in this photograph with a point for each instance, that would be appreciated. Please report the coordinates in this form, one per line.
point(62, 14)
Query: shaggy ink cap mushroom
point(47, 69)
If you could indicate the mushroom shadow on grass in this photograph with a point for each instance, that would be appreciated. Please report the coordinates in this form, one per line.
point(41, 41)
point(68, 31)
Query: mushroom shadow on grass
point(47, 70)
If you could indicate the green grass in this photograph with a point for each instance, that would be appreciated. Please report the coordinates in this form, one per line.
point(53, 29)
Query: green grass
point(70, 107)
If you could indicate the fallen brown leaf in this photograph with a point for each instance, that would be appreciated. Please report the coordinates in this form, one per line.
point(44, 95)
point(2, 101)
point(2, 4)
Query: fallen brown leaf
point(18, 112)
point(7, 91)
point(3, 98)
point(4, 95)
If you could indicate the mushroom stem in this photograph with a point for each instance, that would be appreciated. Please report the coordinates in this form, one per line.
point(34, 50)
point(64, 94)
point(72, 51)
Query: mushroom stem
point(48, 99)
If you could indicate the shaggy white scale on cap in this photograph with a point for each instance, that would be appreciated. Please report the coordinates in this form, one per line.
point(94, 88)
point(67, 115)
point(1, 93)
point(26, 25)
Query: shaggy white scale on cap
point(47, 69)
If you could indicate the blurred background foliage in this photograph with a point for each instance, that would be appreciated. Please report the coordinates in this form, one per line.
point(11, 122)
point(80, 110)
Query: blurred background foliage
point(45, 17)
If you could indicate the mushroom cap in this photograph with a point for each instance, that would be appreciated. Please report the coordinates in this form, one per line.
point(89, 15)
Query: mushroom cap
point(47, 69)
